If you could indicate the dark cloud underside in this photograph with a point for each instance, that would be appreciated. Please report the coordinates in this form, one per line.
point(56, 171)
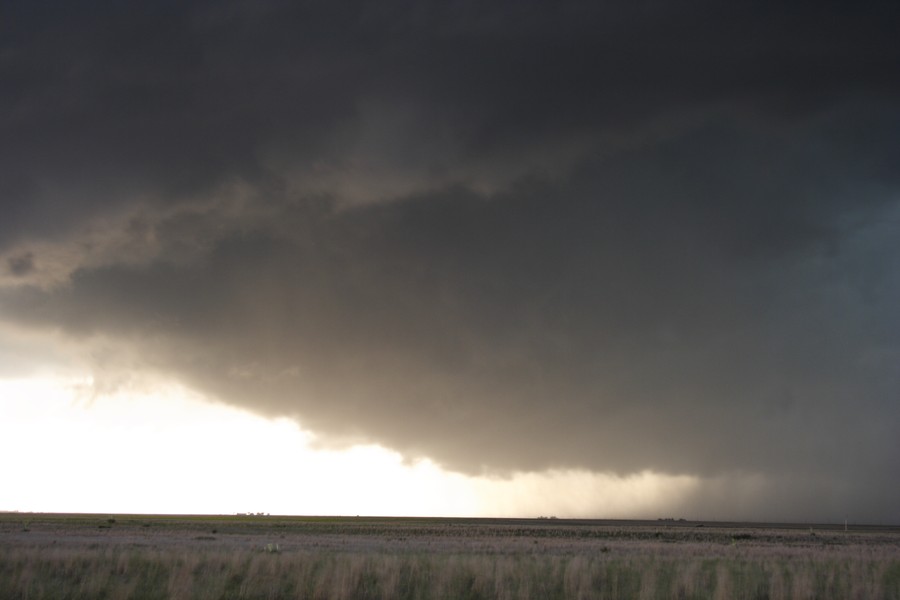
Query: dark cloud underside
point(526, 236)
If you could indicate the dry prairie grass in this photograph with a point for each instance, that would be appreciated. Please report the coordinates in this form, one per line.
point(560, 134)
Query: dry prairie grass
point(415, 560)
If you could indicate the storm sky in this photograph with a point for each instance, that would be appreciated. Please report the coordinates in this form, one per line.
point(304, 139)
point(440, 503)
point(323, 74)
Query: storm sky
point(509, 237)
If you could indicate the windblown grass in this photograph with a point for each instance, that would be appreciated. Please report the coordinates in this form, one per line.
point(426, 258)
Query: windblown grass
point(478, 563)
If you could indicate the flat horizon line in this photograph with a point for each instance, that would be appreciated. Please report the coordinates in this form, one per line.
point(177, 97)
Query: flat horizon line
point(583, 521)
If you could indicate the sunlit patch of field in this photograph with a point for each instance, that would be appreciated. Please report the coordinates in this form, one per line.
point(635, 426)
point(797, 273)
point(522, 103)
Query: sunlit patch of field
point(132, 556)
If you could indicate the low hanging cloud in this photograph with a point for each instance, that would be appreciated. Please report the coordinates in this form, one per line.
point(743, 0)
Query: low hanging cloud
point(509, 240)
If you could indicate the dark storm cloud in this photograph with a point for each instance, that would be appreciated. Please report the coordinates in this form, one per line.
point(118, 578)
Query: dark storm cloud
point(22, 264)
point(104, 103)
point(525, 236)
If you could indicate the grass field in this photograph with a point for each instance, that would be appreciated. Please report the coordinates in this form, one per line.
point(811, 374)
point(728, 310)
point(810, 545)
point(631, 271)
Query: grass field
point(187, 557)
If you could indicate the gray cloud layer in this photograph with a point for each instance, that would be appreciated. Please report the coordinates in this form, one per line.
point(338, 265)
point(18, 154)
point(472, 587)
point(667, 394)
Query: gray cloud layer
point(618, 237)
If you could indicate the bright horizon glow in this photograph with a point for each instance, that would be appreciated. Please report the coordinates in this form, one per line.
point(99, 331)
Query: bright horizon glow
point(170, 451)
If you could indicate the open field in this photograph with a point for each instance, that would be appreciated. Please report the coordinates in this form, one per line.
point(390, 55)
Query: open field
point(137, 556)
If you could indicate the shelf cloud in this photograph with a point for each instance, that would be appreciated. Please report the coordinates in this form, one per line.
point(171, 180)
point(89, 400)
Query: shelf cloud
point(517, 237)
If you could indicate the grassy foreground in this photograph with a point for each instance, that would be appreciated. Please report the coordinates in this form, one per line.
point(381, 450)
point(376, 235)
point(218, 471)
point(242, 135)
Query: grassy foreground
point(58, 556)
